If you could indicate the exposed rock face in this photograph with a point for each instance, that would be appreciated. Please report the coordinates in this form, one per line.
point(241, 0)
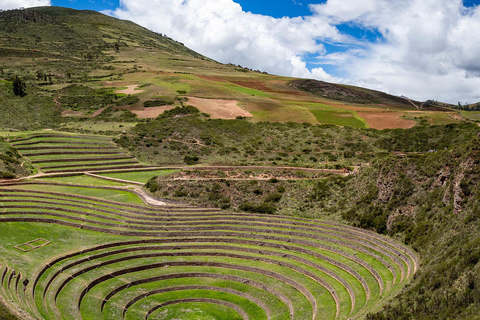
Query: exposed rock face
point(442, 177)
point(385, 186)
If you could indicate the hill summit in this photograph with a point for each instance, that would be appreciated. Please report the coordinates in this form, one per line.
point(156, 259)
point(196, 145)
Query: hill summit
point(84, 64)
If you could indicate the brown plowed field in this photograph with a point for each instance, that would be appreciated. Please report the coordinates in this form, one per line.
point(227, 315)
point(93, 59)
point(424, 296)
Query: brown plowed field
point(386, 120)
point(219, 109)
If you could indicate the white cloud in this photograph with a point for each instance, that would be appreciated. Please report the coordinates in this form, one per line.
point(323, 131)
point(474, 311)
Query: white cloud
point(15, 4)
point(342, 10)
point(431, 49)
point(221, 30)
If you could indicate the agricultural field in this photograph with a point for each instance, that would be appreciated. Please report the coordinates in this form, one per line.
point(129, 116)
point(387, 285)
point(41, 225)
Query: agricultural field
point(142, 180)
point(57, 153)
point(128, 75)
point(79, 241)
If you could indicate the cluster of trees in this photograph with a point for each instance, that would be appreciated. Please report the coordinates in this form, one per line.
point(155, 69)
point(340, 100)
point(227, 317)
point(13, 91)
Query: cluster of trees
point(42, 76)
point(19, 86)
point(468, 107)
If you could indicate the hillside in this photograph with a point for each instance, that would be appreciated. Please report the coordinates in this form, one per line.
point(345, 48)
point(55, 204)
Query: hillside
point(123, 72)
point(140, 179)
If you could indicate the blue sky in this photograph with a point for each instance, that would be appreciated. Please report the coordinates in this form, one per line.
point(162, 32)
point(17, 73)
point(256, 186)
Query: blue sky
point(423, 49)
point(274, 8)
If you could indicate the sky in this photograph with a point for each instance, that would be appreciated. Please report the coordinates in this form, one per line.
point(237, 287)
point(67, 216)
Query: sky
point(422, 49)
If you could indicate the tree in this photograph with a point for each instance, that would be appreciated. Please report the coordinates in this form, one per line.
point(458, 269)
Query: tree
point(41, 75)
point(19, 86)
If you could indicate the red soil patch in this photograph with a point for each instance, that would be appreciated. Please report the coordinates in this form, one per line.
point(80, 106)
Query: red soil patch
point(219, 109)
point(386, 120)
point(270, 86)
point(212, 78)
point(151, 113)
point(254, 84)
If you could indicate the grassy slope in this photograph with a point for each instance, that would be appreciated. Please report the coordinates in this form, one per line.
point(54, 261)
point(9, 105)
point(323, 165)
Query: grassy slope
point(431, 202)
point(11, 163)
point(115, 53)
point(170, 139)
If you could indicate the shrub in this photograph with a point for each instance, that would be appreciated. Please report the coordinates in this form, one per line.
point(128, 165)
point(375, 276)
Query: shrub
point(19, 86)
point(273, 197)
point(190, 160)
point(152, 185)
point(6, 175)
point(157, 103)
point(263, 207)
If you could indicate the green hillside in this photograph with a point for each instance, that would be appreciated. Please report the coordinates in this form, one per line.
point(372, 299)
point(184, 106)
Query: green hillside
point(83, 65)
point(140, 179)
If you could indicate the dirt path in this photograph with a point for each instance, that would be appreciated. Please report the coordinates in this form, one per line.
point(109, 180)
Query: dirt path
point(149, 199)
point(418, 108)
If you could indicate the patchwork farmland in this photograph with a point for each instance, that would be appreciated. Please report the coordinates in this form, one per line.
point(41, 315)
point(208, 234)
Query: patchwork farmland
point(141, 258)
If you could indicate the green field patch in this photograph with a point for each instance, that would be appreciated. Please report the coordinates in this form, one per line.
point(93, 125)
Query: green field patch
point(174, 83)
point(339, 118)
point(50, 135)
point(113, 308)
point(86, 163)
point(65, 146)
point(198, 311)
point(84, 180)
point(111, 127)
point(245, 90)
point(471, 115)
point(65, 239)
point(139, 176)
point(90, 168)
point(105, 194)
point(42, 158)
point(67, 152)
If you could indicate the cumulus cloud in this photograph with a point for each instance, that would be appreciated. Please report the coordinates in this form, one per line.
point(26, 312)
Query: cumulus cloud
point(15, 4)
point(221, 30)
point(430, 48)
point(427, 48)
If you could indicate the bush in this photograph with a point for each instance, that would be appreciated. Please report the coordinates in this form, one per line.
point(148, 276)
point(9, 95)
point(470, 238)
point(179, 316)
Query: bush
point(180, 111)
point(263, 207)
point(152, 185)
point(6, 175)
point(157, 103)
point(273, 197)
point(191, 160)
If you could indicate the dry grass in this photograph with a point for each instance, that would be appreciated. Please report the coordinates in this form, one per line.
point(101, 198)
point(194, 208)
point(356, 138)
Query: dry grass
point(151, 113)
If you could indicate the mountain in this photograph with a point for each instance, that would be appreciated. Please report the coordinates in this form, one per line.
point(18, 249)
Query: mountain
point(139, 178)
point(119, 71)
